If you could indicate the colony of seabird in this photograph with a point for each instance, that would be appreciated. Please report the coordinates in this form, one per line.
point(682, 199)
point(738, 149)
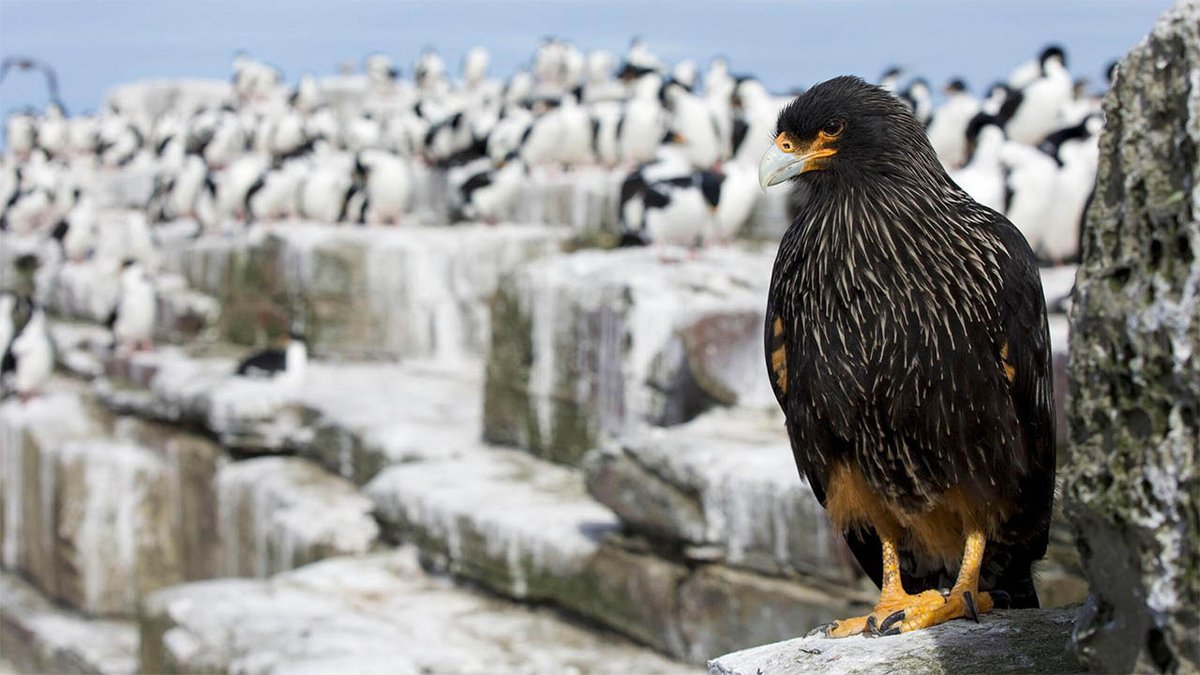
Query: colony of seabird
point(682, 147)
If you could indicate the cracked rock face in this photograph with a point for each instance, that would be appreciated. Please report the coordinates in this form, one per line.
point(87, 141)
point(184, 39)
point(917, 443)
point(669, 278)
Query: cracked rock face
point(1132, 470)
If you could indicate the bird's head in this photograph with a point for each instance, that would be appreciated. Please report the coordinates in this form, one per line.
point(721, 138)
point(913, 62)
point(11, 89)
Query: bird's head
point(845, 126)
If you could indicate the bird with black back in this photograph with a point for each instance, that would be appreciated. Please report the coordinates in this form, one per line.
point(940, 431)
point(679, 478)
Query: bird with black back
point(907, 343)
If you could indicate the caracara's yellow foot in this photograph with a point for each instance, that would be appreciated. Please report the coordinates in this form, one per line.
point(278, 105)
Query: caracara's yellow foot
point(958, 605)
point(890, 610)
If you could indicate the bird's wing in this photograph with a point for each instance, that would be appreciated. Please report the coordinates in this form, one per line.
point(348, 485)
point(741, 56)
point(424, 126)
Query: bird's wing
point(775, 343)
point(1025, 347)
point(1026, 362)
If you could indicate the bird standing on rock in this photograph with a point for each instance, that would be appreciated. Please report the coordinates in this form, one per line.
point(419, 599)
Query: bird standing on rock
point(907, 344)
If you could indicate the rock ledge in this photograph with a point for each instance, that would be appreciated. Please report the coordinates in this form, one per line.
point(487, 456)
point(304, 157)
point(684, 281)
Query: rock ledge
point(1014, 641)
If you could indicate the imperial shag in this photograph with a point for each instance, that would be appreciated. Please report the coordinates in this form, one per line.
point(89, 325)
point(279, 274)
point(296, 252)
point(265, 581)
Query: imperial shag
point(907, 344)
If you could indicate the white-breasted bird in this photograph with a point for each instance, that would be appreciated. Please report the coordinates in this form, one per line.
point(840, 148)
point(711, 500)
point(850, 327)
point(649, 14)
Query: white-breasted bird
point(983, 175)
point(947, 130)
point(132, 320)
point(1033, 112)
point(32, 356)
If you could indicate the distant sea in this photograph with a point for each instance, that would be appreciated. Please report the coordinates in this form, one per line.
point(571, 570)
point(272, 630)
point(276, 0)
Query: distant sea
point(95, 44)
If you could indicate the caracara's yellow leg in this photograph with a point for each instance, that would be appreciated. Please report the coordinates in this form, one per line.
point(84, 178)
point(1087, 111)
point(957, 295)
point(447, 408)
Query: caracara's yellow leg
point(964, 600)
point(892, 600)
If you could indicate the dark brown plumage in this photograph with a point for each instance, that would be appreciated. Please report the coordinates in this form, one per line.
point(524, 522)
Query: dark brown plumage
point(907, 344)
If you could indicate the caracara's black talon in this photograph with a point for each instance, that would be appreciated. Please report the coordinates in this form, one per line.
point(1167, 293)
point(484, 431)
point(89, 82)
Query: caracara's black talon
point(1001, 600)
point(872, 626)
point(972, 610)
point(894, 630)
point(892, 619)
point(822, 630)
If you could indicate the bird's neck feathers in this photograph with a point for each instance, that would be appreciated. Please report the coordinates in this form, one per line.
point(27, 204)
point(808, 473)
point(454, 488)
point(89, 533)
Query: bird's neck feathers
point(893, 232)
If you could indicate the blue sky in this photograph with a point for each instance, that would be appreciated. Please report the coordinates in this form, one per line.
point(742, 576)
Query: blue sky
point(95, 44)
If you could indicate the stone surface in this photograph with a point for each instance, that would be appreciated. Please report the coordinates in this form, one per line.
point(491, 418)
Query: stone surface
point(278, 513)
point(168, 385)
point(98, 517)
point(526, 528)
point(1133, 467)
point(1013, 641)
point(372, 614)
point(586, 345)
point(38, 637)
point(363, 292)
point(724, 485)
point(501, 517)
point(365, 417)
point(29, 432)
point(354, 418)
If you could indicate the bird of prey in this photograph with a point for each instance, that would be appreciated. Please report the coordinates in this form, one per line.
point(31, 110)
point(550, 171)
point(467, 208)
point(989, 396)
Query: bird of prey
point(906, 341)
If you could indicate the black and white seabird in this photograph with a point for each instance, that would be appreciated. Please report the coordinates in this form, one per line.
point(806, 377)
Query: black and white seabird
point(8, 303)
point(287, 363)
point(490, 195)
point(948, 129)
point(983, 175)
point(31, 356)
point(387, 189)
point(132, 320)
point(1041, 100)
point(1031, 183)
point(643, 123)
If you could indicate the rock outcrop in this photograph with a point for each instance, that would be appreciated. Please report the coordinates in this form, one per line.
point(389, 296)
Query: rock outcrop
point(1133, 470)
point(277, 513)
point(370, 292)
point(587, 345)
point(1024, 641)
point(98, 518)
point(37, 636)
point(723, 487)
point(368, 614)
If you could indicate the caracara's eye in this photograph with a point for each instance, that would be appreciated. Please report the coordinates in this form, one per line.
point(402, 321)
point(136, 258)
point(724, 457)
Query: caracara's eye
point(786, 145)
point(834, 127)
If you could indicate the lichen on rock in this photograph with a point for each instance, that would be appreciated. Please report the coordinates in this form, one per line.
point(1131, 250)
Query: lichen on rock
point(1132, 470)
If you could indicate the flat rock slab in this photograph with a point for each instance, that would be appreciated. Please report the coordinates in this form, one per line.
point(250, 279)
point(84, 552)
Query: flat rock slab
point(278, 513)
point(354, 418)
point(363, 417)
point(1013, 641)
point(725, 486)
point(369, 292)
point(519, 525)
point(588, 344)
point(368, 614)
point(527, 529)
point(36, 636)
point(170, 386)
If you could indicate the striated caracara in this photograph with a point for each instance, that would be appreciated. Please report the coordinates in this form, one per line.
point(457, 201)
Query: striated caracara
point(907, 344)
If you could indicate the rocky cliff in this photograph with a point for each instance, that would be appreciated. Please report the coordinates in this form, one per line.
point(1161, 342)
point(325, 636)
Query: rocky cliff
point(1132, 470)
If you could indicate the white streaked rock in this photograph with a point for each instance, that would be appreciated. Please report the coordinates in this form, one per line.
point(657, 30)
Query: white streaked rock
point(585, 346)
point(37, 636)
point(516, 523)
point(724, 485)
point(278, 513)
point(368, 614)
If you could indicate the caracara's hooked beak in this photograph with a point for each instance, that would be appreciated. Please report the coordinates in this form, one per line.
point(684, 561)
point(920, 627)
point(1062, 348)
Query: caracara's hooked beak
point(788, 159)
point(777, 166)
